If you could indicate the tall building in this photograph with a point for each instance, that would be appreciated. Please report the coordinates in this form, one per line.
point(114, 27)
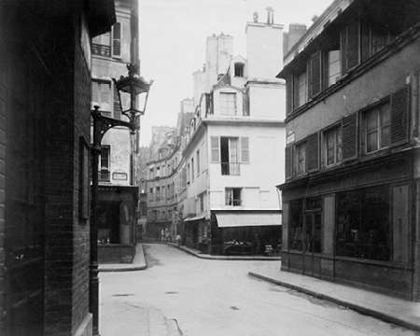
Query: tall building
point(350, 200)
point(118, 190)
point(44, 164)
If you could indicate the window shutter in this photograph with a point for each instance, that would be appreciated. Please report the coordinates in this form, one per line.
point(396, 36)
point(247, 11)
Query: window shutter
point(291, 94)
point(116, 39)
point(245, 150)
point(312, 152)
point(399, 115)
point(343, 49)
point(315, 74)
point(289, 161)
point(365, 45)
point(117, 106)
point(245, 104)
point(215, 149)
point(349, 142)
point(309, 77)
point(353, 45)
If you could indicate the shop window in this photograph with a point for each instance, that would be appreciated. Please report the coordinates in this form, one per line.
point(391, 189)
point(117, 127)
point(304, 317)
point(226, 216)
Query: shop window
point(295, 226)
point(228, 103)
point(332, 146)
point(233, 196)
point(377, 128)
point(363, 224)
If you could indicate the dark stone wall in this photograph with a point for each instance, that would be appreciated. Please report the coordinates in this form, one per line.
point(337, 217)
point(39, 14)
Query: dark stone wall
point(81, 232)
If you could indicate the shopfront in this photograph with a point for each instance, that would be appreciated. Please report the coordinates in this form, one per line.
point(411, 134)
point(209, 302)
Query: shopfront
point(360, 235)
point(246, 232)
point(116, 224)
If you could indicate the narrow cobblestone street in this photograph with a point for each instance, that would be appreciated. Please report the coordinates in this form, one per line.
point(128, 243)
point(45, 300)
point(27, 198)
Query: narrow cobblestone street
point(217, 297)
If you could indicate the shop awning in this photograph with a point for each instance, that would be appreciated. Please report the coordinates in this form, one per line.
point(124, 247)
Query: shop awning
point(247, 219)
point(191, 219)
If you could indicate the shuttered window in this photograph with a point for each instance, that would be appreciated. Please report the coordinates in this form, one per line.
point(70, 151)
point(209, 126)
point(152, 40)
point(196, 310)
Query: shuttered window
point(312, 152)
point(349, 135)
point(349, 41)
point(215, 149)
point(245, 150)
point(314, 74)
point(399, 115)
point(376, 128)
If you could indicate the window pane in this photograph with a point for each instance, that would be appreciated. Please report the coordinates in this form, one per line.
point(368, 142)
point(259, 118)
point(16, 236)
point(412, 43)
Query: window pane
point(363, 224)
point(295, 220)
point(303, 89)
point(372, 142)
point(334, 66)
point(228, 103)
point(385, 136)
point(371, 120)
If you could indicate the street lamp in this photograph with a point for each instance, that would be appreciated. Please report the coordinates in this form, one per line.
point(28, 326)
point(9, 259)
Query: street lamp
point(136, 87)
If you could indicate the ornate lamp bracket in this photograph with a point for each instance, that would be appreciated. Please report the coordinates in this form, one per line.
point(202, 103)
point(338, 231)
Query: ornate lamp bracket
point(102, 124)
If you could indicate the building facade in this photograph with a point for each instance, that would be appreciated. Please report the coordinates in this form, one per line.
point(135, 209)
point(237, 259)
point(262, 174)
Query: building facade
point(350, 200)
point(44, 164)
point(118, 190)
point(225, 200)
point(163, 177)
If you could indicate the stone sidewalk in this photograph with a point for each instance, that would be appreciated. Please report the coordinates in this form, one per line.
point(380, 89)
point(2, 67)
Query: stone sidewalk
point(145, 321)
point(139, 263)
point(198, 254)
point(389, 309)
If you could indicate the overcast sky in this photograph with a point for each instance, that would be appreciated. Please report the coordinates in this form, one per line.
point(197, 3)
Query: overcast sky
point(172, 43)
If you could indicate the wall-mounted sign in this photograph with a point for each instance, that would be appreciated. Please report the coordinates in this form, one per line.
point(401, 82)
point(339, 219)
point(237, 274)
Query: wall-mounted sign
point(120, 176)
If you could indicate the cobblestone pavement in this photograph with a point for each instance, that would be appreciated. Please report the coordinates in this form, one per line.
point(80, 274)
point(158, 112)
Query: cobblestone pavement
point(217, 297)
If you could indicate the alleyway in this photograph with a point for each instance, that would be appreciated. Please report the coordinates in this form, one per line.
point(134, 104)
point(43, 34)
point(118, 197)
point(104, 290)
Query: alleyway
point(217, 297)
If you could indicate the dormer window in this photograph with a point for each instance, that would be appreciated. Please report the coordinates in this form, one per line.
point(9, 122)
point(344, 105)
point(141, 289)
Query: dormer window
point(228, 103)
point(239, 69)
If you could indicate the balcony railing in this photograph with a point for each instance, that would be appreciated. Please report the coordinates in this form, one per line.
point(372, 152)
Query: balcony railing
point(101, 50)
point(234, 202)
point(230, 168)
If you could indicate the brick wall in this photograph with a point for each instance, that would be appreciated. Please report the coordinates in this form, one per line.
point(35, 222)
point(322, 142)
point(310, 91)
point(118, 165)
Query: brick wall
point(2, 198)
point(59, 183)
point(81, 243)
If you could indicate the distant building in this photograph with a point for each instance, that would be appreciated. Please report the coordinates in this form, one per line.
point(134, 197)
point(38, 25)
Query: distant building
point(161, 173)
point(118, 192)
point(350, 200)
